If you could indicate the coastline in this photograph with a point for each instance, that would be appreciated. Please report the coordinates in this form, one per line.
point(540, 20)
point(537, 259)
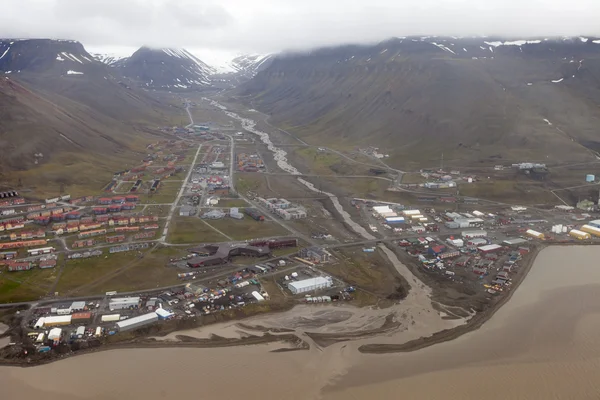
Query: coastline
point(472, 324)
point(286, 336)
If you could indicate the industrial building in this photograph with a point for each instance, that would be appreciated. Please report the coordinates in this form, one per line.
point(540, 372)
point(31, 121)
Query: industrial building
point(473, 234)
point(110, 317)
point(235, 213)
point(222, 253)
point(123, 303)
point(163, 314)
point(310, 284)
point(490, 248)
point(514, 242)
point(54, 321)
point(394, 220)
point(137, 322)
point(187, 211)
point(477, 242)
point(595, 223)
point(456, 242)
point(77, 306)
point(315, 254)
point(254, 214)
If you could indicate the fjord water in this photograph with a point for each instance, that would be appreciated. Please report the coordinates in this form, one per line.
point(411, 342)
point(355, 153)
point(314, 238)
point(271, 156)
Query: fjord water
point(544, 343)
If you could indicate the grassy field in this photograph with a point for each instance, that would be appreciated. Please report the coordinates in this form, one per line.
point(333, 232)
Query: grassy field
point(77, 273)
point(248, 228)
point(167, 192)
point(362, 187)
point(410, 177)
point(369, 271)
point(525, 192)
point(245, 182)
point(232, 203)
point(145, 273)
point(161, 211)
point(192, 230)
point(14, 287)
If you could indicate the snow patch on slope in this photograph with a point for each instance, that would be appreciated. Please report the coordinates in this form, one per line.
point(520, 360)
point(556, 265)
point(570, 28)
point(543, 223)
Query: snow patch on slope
point(513, 43)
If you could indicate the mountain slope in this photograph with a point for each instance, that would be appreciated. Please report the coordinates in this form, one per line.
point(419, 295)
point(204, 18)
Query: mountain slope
point(165, 69)
point(80, 117)
point(249, 65)
point(472, 99)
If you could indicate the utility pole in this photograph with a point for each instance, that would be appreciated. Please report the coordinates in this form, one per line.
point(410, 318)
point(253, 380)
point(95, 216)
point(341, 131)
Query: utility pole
point(442, 162)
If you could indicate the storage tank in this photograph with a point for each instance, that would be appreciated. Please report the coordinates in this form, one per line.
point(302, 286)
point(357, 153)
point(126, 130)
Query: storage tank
point(580, 234)
point(590, 178)
point(590, 229)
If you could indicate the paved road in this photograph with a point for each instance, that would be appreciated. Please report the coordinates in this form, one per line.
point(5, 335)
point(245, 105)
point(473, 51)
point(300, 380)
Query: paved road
point(163, 238)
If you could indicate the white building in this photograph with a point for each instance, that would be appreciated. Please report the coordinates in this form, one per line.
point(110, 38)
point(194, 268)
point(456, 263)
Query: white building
point(123, 303)
point(110, 317)
point(55, 334)
point(77, 306)
point(136, 322)
point(473, 234)
point(310, 284)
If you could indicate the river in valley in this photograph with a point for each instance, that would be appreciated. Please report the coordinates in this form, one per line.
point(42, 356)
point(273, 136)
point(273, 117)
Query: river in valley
point(542, 344)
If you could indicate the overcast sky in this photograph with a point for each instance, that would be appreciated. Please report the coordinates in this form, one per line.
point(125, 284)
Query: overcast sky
point(273, 25)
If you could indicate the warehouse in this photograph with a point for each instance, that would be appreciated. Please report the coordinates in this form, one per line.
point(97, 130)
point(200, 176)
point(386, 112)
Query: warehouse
point(477, 242)
point(137, 322)
point(77, 306)
point(187, 211)
point(311, 284)
point(81, 316)
point(57, 321)
point(456, 242)
point(222, 253)
point(595, 223)
point(580, 234)
point(55, 334)
point(394, 220)
point(110, 317)
point(490, 248)
point(164, 314)
point(473, 234)
point(411, 212)
point(122, 303)
point(514, 242)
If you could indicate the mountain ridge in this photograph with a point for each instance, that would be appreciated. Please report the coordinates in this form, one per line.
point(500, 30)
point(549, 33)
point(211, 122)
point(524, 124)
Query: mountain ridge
point(473, 98)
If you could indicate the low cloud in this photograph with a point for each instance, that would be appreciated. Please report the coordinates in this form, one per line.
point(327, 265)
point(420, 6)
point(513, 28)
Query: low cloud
point(273, 25)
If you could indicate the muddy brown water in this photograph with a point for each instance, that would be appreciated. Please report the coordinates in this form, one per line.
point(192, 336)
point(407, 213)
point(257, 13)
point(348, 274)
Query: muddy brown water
point(544, 343)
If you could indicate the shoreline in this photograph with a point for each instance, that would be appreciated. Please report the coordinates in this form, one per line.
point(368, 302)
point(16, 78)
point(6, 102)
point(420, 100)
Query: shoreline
point(472, 324)
point(143, 342)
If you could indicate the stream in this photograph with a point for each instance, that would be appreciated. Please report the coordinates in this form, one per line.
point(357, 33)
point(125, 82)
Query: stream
point(280, 157)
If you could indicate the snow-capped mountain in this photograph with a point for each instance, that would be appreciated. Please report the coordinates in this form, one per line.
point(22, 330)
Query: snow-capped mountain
point(250, 64)
point(47, 56)
point(110, 55)
point(170, 69)
point(228, 63)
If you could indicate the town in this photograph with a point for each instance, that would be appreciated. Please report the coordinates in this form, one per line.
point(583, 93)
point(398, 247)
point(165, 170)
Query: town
point(193, 229)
